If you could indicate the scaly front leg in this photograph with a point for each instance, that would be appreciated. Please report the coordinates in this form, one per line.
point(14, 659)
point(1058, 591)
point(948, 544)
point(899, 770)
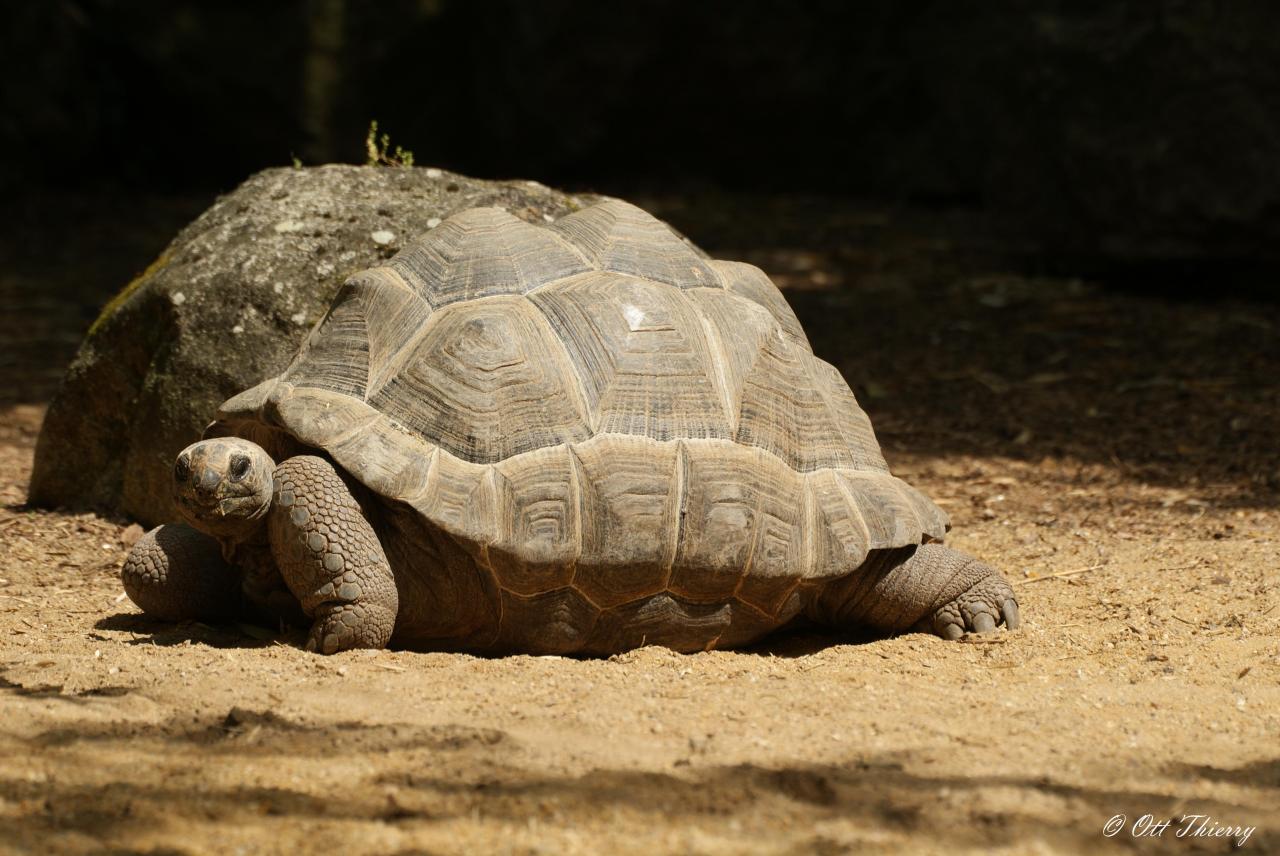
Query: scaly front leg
point(330, 558)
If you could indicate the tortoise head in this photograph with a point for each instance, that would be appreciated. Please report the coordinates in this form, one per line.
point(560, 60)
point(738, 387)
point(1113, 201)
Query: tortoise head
point(223, 486)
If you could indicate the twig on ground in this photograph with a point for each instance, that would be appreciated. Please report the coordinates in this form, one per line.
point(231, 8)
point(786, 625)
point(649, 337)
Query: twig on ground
point(19, 599)
point(1058, 574)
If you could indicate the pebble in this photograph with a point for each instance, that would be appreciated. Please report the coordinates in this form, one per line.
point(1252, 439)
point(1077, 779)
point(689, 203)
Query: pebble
point(433, 222)
point(432, 172)
point(131, 534)
point(382, 237)
point(178, 298)
point(285, 226)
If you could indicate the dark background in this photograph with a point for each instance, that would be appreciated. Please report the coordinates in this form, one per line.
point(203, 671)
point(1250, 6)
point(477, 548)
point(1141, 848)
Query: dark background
point(1099, 134)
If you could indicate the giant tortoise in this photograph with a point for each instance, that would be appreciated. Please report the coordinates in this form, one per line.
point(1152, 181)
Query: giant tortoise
point(576, 438)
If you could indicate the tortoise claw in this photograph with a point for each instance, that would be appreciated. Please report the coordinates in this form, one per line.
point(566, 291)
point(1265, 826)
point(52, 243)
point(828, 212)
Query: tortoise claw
point(1012, 619)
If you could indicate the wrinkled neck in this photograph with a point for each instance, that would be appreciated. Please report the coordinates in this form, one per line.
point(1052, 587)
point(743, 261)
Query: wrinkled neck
point(250, 538)
point(263, 588)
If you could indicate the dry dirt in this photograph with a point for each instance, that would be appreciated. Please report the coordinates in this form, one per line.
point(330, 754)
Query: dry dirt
point(1114, 452)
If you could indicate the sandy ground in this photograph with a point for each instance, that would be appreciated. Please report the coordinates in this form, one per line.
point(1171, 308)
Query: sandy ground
point(1115, 453)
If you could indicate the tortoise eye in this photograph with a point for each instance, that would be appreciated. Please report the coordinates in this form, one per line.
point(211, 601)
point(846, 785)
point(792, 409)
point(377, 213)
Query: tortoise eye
point(239, 467)
point(182, 468)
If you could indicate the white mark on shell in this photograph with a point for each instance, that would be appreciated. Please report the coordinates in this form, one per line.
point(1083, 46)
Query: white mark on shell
point(432, 172)
point(178, 298)
point(634, 316)
point(382, 237)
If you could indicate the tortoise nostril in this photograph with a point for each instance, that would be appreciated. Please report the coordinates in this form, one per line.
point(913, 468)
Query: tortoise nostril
point(207, 483)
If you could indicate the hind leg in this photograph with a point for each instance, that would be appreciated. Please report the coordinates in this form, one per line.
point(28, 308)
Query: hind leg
point(330, 558)
point(930, 587)
point(175, 573)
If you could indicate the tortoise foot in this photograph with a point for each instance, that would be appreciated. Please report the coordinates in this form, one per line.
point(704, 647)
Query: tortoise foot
point(344, 626)
point(980, 609)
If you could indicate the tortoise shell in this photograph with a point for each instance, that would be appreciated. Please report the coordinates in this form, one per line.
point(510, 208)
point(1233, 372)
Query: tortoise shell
point(598, 416)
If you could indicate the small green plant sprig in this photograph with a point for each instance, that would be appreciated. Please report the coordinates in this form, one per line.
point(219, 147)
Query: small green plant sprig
point(379, 151)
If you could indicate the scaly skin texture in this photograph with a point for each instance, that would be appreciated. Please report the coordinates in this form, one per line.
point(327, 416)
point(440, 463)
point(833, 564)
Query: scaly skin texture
point(931, 588)
point(330, 558)
point(176, 573)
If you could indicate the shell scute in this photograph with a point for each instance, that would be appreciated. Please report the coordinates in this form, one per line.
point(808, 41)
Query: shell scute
point(641, 354)
point(483, 252)
point(539, 532)
point(782, 409)
point(485, 381)
point(750, 282)
point(630, 495)
point(617, 236)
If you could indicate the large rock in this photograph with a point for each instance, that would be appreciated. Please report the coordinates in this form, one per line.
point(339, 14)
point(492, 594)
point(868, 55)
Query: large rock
point(225, 306)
